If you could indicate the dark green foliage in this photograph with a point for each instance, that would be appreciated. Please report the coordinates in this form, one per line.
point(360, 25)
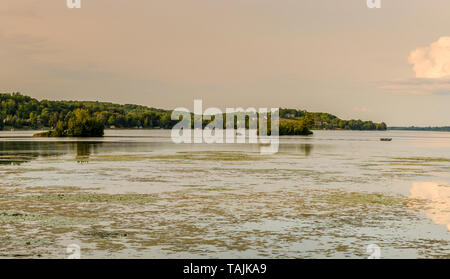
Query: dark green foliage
point(319, 120)
point(60, 129)
point(23, 112)
point(80, 124)
point(83, 125)
point(293, 127)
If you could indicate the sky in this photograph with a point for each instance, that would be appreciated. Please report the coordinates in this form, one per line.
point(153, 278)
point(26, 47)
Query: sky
point(390, 64)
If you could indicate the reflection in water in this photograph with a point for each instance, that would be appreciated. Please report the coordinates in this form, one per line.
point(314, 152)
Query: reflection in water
point(308, 148)
point(18, 152)
point(15, 159)
point(83, 152)
point(305, 148)
point(437, 198)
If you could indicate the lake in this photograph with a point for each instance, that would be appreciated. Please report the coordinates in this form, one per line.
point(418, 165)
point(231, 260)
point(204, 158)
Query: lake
point(135, 194)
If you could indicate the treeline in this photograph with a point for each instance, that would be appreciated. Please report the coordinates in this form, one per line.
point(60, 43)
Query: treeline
point(413, 128)
point(23, 112)
point(321, 121)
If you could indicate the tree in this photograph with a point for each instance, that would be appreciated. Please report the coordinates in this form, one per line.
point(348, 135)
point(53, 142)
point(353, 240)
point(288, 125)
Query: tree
point(165, 121)
point(293, 127)
point(83, 125)
point(60, 130)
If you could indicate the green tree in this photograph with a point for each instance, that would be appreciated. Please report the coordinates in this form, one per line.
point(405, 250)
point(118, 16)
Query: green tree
point(60, 129)
point(83, 125)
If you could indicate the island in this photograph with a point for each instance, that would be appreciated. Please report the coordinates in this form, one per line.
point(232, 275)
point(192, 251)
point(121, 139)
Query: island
point(79, 124)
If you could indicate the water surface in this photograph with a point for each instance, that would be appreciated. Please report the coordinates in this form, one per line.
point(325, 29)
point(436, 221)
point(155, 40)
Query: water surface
point(135, 194)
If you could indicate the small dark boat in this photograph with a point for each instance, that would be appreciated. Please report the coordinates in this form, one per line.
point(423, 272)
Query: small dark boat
point(386, 139)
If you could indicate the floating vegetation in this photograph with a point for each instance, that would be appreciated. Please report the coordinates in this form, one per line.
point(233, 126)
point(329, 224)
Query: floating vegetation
point(207, 189)
point(44, 220)
point(361, 198)
point(200, 224)
point(212, 156)
point(416, 161)
point(104, 234)
point(422, 159)
point(119, 158)
point(95, 198)
point(202, 156)
point(147, 179)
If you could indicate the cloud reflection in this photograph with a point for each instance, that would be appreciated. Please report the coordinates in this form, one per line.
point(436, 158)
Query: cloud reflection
point(437, 200)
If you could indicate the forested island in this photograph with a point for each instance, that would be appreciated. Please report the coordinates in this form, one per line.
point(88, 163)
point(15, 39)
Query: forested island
point(88, 118)
point(80, 124)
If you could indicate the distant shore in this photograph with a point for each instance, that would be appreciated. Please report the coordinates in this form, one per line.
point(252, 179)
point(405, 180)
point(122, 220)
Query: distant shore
point(413, 128)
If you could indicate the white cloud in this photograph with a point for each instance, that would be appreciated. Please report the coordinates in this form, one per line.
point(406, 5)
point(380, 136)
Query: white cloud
point(432, 67)
point(437, 201)
point(432, 61)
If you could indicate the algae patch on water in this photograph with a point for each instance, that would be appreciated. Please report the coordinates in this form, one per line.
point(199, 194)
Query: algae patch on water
point(119, 158)
point(363, 198)
point(416, 161)
point(212, 156)
point(95, 198)
point(423, 159)
point(105, 234)
point(44, 220)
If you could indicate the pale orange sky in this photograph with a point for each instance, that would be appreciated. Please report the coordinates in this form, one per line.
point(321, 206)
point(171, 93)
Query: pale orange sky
point(390, 64)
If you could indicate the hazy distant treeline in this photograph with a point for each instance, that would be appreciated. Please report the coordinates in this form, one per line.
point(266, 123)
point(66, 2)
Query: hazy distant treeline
point(413, 128)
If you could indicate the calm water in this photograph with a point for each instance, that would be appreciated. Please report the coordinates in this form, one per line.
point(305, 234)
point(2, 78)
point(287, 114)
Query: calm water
point(136, 194)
